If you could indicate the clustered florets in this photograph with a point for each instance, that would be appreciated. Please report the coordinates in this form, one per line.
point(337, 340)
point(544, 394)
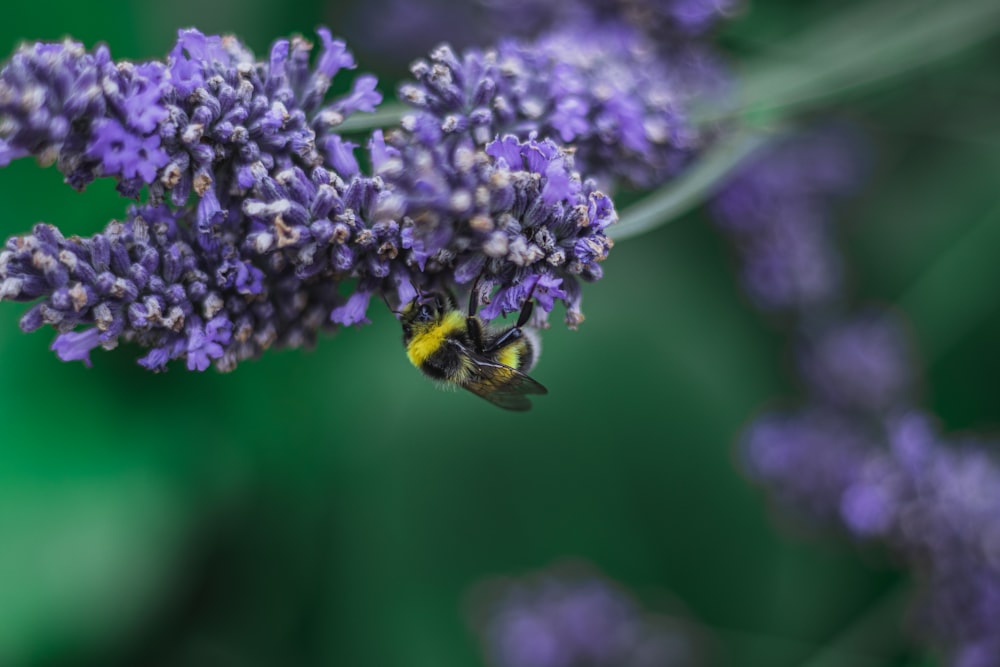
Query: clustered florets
point(198, 281)
point(514, 215)
point(210, 120)
point(600, 88)
point(278, 230)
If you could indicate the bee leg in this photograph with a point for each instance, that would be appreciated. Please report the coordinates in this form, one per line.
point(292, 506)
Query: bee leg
point(515, 333)
point(475, 328)
point(526, 310)
point(472, 322)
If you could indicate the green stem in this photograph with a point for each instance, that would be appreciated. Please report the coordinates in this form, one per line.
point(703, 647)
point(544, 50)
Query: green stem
point(867, 45)
point(870, 637)
point(387, 115)
point(941, 310)
point(691, 187)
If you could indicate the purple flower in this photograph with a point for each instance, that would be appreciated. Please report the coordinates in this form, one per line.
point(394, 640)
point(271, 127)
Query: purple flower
point(863, 363)
point(776, 210)
point(123, 153)
point(76, 345)
point(934, 502)
point(574, 619)
point(155, 280)
point(511, 214)
point(211, 120)
point(285, 236)
point(599, 88)
point(396, 29)
point(806, 460)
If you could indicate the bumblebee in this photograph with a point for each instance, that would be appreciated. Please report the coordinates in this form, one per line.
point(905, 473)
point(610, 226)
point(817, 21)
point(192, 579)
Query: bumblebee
point(456, 348)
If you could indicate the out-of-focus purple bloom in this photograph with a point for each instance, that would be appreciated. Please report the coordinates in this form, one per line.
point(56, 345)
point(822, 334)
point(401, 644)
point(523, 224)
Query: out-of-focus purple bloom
point(777, 209)
point(789, 263)
point(511, 214)
point(396, 29)
point(666, 21)
point(563, 619)
point(864, 363)
point(934, 502)
point(806, 459)
point(599, 88)
point(860, 458)
point(211, 119)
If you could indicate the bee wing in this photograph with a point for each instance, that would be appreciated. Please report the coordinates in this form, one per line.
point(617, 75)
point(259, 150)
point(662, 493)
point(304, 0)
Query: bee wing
point(500, 384)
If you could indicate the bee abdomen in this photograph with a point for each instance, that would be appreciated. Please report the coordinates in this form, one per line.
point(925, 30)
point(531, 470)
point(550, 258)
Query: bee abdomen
point(532, 350)
point(445, 363)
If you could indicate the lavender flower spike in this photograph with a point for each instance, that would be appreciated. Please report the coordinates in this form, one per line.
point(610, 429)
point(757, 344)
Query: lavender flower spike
point(211, 119)
point(272, 272)
point(157, 281)
point(515, 215)
point(777, 211)
point(599, 88)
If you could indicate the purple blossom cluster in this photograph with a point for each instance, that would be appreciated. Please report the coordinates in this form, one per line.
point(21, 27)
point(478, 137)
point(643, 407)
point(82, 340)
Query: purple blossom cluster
point(860, 456)
point(601, 89)
point(154, 280)
point(895, 481)
point(214, 281)
point(271, 274)
point(777, 211)
point(285, 235)
point(210, 120)
point(405, 28)
point(576, 619)
point(514, 216)
point(666, 21)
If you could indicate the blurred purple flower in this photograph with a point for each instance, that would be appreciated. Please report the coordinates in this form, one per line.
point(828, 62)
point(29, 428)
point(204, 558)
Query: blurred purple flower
point(777, 209)
point(933, 502)
point(394, 30)
point(575, 619)
point(863, 363)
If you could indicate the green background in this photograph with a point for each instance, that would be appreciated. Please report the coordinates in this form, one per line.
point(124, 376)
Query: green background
point(331, 507)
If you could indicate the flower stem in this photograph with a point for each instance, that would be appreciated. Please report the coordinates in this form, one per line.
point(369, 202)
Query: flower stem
point(865, 45)
point(691, 187)
point(932, 300)
point(385, 116)
point(870, 637)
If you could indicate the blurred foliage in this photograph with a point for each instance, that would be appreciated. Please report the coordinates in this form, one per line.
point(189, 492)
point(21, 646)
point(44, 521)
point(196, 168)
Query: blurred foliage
point(332, 507)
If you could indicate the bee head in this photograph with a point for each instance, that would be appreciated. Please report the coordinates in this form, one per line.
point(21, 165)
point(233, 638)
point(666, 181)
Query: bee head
point(425, 311)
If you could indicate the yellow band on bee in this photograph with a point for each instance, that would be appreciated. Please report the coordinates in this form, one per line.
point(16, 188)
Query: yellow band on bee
point(511, 355)
point(427, 341)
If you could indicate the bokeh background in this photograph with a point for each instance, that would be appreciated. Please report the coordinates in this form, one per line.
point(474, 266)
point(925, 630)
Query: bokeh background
point(330, 506)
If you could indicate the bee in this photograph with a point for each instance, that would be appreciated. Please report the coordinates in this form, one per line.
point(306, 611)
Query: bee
point(456, 348)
